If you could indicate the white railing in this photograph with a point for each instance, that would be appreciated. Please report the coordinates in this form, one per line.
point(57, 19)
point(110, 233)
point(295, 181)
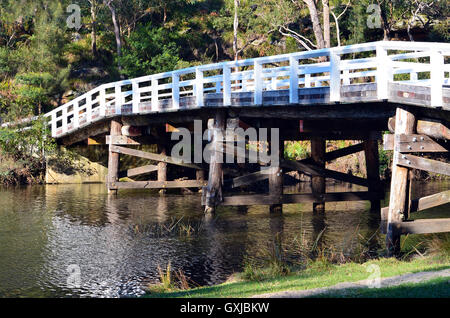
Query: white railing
point(377, 62)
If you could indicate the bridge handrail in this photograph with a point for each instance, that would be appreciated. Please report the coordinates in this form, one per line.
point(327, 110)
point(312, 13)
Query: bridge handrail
point(291, 72)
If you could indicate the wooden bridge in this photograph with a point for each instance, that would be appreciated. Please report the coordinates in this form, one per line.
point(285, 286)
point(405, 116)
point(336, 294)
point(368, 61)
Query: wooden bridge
point(345, 93)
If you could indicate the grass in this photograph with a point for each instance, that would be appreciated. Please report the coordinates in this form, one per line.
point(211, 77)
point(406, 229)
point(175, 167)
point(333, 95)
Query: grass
point(434, 288)
point(317, 274)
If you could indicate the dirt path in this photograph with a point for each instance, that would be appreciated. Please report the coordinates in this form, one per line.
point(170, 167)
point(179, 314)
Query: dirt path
point(384, 282)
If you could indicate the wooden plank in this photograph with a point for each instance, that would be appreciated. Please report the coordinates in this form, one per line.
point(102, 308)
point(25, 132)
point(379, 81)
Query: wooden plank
point(213, 196)
point(113, 157)
point(373, 170)
point(417, 143)
point(429, 127)
point(157, 184)
point(312, 170)
point(120, 140)
point(388, 141)
point(249, 178)
point(318, 148)
point(398, 201)
point(264, 199)
point(420, 163)
point(427, 202)
point(333, 155)
point(151, 156)
point(422, 226)
point(137, 171)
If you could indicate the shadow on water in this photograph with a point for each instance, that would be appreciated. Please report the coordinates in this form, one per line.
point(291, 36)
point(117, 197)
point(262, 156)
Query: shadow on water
point(117, 243)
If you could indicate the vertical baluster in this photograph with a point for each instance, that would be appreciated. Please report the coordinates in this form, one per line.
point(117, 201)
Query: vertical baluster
point(436, 77)
point(258, 77)
point(226, 85)
point(118, 99)
point(175, 91)
point(335, 77)
point(64, 119)
point(199, 87)
point(383, 72)
point(88, 108)
point(136, 96)
point(76, 115)
point(346, 77)
point(155, 99)
point(102, 102)
point(293, 80)
point(413, 76)
point(53, 123)
point(218, 87)
point(307, 80)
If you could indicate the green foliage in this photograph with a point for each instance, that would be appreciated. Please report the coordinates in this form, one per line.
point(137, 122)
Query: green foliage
point(150, 50)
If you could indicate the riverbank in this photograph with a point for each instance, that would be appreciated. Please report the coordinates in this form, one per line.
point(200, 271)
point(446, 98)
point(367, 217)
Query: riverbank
point(321, 273)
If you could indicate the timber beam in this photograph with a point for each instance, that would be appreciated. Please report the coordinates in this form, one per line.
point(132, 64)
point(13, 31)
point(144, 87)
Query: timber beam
point(264, 199)
point(413, 143)
point(157, 184)
point(422, 226)
point(152, 156)
point(424, 203)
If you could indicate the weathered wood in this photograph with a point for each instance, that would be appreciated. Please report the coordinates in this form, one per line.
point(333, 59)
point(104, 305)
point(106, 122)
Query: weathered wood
point(415, 162)
point(157, 184)
point(327, 173)
point(318, 148)
point(276, 178)
point(264, 199)
point(120, 140)
point(137, 171)
point(398, 205)
point(113, 158)
point(335, 154)
point(250, 178)
point(422, 226)
point(373, 170)
point(413, 143)
point(151, 156)
point(213, 195)
point(424, 203)
point(426, 127)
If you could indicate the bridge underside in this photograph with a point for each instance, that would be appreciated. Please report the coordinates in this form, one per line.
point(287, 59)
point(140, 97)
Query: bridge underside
point(359, 116)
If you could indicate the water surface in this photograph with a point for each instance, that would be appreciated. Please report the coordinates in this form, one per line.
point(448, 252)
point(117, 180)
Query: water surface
point(118, 242)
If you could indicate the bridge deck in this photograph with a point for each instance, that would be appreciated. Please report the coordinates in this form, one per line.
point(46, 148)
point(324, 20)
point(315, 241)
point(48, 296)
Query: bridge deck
point(410, 73)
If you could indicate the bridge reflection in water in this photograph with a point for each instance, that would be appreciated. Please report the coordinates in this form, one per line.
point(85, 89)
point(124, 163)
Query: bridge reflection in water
point(118, 243)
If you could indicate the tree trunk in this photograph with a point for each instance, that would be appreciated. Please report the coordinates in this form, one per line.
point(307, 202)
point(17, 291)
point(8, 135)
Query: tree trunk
point(326, 23)
point(235, 29)
point(316, 23)
point(94, 28)
point(116, 32)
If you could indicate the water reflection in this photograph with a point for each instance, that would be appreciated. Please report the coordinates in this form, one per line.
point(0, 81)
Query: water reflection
point(119, 242)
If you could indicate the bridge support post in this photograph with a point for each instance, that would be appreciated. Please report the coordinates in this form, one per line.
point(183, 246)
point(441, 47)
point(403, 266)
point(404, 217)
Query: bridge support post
point(215, 180)
point(162, 168)
point(113, 158)
point(398, 201)
point(373, 170)
point(276, 178)
point(318, 147)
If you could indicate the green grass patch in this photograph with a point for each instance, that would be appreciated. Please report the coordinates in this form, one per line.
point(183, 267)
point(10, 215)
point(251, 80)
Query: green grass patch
point(433, 288)
point(317, 274)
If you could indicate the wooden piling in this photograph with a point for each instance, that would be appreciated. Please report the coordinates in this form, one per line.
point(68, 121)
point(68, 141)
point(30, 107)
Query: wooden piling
point(215, 179)
point(113, 158)
point(276, 178)
point(398, 201)
point(162, 166)
point(318, 148)
point(373, 170)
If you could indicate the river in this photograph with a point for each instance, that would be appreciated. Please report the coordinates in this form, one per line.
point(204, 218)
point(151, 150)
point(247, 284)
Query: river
point(76, 241)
